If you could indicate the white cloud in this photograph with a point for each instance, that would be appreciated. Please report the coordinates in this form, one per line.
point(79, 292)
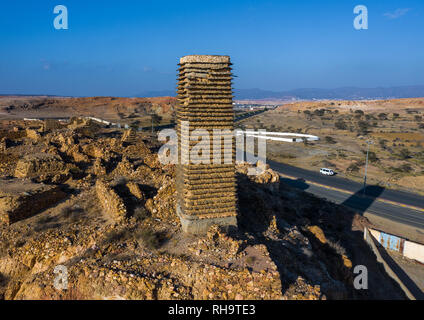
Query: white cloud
point(397, 14)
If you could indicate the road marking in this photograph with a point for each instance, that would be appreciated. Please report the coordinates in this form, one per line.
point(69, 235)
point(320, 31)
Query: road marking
point(350, 192)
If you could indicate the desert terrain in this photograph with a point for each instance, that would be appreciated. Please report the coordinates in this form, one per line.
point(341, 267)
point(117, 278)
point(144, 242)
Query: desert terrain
point(96, 200)
point(394, 127)
point(131, 111)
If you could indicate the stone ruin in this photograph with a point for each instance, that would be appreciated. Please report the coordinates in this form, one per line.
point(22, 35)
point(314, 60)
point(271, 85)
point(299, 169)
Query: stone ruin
point(3, 144)
point(22, 199)
point(130, 136)
point(84, 126)
point(42, 166)
point(51, 124)
point(206, 192)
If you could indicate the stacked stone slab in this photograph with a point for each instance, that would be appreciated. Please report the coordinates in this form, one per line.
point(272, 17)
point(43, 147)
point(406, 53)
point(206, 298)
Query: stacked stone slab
point(206, 192)
point(130, 136)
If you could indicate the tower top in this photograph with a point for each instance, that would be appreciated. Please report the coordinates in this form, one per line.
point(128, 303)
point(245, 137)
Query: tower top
point(205, 59)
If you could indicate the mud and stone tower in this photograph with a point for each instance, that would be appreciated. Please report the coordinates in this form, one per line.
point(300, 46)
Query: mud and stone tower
point(206, 191)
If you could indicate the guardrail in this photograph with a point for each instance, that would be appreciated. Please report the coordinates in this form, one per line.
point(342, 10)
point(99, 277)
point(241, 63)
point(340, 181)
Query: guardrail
point(274, 136)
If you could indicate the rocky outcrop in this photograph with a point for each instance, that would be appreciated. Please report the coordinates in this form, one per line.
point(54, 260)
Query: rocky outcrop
point(118, 234)
point(33, 134)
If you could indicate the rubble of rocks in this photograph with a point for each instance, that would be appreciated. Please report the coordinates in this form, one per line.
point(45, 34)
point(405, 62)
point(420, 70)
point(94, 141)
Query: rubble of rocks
point(22, 199)
point(115, 228)
point(37, 164)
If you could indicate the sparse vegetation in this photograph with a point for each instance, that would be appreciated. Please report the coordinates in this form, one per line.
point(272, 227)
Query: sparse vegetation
point(372, 156)
point(404, 154)
point(119, 181)
point(387, 123)
point(149, 238)
point(382, 116)
point(140, 213)
point(330, 140)
point(340, 124)
point(250, 260)
point(363, 127)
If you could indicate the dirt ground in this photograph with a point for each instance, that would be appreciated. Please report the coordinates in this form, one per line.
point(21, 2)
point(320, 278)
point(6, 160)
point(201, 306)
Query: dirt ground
point(413, 269)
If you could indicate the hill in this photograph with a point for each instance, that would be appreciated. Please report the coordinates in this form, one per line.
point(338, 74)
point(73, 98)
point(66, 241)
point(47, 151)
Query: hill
point(106, 107)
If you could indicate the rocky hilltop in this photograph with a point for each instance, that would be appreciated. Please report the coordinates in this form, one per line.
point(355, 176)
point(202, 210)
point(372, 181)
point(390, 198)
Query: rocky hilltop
point(106, 107)
point(98, 202)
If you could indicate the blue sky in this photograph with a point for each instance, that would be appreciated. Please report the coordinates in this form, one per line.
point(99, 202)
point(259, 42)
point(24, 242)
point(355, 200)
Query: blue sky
point(122, 48)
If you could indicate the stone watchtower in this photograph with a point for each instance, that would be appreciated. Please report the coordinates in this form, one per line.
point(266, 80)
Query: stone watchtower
point(206, 191)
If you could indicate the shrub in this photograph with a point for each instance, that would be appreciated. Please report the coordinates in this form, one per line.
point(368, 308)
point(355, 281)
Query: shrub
point(341, 125)
point(363, 127)
point(336, 245)
point(287, 156)
point(117, 235)
point(319, 112)
point(119, 181)
point(405, 168)
point(149, 238)
point(382, 116)
point(250, 260)
point(372, 157)
point(353, 168)
point(140, 213)
point(382, 143)
point(330, 140)
point(156, 119)
point(404, 154)
point(74, 213)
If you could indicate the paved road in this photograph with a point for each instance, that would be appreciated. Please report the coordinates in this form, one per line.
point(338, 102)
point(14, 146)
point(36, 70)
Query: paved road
point(366, 206)
point(406, 198)
point(349, 193)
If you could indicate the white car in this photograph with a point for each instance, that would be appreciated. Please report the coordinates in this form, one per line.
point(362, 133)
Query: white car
point(327, 172)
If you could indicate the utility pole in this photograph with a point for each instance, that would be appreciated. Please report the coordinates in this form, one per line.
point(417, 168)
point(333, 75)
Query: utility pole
point(366, 166)
point(151, 117)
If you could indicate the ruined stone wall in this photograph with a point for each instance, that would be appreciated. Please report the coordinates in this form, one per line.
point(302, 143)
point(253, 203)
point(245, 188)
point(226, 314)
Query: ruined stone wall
point(3, 144)
point(12, 135)
point(32, 134)
point(14, 208)
point(86, 127)
point(206, 192)
point(39, 164)
point(110, 201)
point(129, 136)
point(50, 124)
